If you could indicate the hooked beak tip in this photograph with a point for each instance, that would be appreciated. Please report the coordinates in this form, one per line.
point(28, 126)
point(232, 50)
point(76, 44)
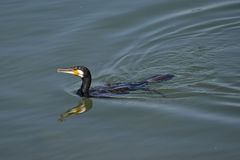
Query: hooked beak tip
point(59, 70)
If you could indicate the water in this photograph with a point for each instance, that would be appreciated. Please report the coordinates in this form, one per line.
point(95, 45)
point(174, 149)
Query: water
point(120, 41)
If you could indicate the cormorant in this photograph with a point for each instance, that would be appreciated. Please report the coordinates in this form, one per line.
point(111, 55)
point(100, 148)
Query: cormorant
point(109, 90)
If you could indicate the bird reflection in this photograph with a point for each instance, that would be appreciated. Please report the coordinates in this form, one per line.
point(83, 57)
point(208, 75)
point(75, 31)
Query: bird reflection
point(84, 105)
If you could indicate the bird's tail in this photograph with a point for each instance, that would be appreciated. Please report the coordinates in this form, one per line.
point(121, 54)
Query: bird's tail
point(159, 78)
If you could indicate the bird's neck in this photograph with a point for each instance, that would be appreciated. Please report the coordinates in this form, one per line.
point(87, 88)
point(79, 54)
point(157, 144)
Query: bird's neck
point(84, 90)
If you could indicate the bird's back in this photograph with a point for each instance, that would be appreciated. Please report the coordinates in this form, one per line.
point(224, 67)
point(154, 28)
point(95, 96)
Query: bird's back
point(112, 90)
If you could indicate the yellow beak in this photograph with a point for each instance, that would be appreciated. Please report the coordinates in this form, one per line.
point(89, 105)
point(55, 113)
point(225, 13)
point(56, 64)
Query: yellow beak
point(72, 71)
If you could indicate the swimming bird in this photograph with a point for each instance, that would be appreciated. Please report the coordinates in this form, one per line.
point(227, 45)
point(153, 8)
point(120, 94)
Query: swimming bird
point(109, 90)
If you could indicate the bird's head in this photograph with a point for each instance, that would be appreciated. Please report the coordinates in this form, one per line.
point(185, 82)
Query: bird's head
point(80, 71)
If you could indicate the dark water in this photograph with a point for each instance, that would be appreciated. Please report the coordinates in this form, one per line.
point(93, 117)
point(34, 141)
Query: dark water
point(197, 41)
